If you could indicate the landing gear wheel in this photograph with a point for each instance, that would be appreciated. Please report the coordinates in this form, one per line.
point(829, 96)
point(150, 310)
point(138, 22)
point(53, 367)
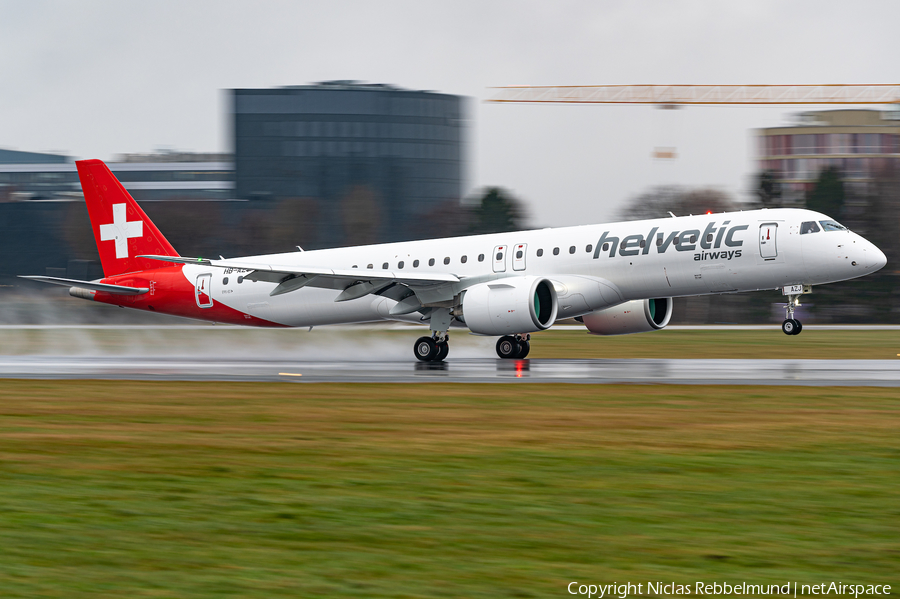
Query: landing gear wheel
point(426, 349)
point(508, 347)
point(443, 349)
point(524, 348)
point(791, 326)
point(799, 326)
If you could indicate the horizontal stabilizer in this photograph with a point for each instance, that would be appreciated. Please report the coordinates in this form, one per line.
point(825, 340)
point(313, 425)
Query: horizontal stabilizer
point(91, 285)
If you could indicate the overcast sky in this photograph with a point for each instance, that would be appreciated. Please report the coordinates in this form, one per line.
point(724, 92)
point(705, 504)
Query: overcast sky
point(99, 78)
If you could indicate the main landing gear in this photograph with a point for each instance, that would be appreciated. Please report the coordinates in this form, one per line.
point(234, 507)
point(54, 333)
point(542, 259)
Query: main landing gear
point(791, 326)
point(514, 347)
point(434, 348)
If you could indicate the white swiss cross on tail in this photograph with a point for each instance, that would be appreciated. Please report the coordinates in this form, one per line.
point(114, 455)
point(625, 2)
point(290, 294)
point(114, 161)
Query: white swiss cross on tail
point(121, 230)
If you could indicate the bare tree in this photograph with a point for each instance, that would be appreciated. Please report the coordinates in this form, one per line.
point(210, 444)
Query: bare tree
point(658, 202)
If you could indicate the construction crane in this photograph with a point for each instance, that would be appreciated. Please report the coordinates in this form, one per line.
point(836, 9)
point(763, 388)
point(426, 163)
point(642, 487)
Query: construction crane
point(674, 95)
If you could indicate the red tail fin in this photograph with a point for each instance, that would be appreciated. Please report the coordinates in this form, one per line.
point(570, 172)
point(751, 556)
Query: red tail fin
point(121, 229)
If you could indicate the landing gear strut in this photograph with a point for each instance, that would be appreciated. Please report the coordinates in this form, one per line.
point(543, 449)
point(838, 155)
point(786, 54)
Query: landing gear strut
point(514, 347)
point(436, 347)
point(791, 326)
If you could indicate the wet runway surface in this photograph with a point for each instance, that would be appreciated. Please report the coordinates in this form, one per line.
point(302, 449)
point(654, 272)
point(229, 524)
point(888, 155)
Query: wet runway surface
point(885, 373)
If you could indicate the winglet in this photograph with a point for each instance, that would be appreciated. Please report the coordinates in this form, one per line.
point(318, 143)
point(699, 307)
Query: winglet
point(173, 259)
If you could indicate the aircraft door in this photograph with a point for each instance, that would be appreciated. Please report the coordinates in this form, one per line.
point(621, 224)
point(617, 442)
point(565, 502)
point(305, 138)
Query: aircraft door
point(768, 249)
point(500, 258)
point(519, 256)
point(202, 291)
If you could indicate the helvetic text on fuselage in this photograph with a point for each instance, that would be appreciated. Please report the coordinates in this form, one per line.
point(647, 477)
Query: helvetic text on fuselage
point(713, 238)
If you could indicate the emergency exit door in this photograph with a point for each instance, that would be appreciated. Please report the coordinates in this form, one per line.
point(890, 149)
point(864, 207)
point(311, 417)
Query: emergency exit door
point(519, 256)
point(768, 248)
point(500, 258)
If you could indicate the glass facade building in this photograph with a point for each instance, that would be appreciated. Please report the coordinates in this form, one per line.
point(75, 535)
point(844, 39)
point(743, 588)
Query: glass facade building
point(148, 177)
point(858, 142)
point(369, 161)
point(44, 227)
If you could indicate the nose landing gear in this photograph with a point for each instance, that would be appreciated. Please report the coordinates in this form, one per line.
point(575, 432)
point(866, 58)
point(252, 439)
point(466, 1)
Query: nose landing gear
point(791, 326)
point(514, 347)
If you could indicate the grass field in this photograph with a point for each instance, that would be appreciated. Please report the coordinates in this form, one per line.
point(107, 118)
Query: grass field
point(827, 344)
point(285, 490)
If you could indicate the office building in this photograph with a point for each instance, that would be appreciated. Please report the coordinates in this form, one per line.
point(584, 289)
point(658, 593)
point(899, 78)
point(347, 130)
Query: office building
point(165, 175)
point(860, 143)
point(369, 161)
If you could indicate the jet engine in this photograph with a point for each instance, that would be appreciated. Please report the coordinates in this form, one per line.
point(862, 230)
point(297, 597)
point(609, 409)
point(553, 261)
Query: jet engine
point(509, 306)
point(636, 316)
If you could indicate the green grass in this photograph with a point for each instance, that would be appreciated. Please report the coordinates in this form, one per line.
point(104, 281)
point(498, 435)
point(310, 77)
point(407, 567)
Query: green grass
point(292, 490)
point(757, 344)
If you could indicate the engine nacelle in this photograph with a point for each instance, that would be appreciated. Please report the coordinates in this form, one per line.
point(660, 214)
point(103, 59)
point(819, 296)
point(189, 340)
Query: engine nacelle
point(636, 316)
point(509, 306)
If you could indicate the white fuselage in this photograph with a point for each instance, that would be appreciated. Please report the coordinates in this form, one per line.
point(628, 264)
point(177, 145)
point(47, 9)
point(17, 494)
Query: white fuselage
point(669, 257)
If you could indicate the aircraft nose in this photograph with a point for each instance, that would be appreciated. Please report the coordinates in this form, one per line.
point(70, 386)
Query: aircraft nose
point(875, 258)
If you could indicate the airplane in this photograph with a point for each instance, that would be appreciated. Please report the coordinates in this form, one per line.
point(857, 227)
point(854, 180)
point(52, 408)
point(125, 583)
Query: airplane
point(616, 278)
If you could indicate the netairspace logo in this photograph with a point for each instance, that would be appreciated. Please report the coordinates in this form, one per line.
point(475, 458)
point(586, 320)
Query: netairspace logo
point(623, 590)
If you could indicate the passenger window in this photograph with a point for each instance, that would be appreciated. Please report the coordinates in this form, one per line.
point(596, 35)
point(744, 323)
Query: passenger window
point(643, 243)
point(225, 281)
point(693, 239)
point(809, 227)
point(659, 241)
point(519, 255)
point(384, 266)
point(540, 253)
point(464, 259)
point(446, 260)
point(354, 266)
point(589, 248)
point(676, 241)
point(572, 249)
point(240, 280)
point(415, 264)
point(556, 251)
point(370, 266)
point(499, 256)
point(708, 239)
point(605, 247)
point(481, 257)
point(400, 264)
point(431, 262)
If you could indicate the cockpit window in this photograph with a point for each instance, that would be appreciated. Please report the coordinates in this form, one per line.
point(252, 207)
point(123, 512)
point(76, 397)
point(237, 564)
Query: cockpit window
point(832, 225)
point(809, 227)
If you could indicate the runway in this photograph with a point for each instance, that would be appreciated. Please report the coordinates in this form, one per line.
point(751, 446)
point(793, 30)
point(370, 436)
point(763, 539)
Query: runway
point(377, 354)
point(882, 373)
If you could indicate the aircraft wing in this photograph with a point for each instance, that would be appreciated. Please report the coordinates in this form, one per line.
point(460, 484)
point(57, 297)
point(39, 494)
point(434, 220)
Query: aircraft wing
point(92, 285)
point(355, 282)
